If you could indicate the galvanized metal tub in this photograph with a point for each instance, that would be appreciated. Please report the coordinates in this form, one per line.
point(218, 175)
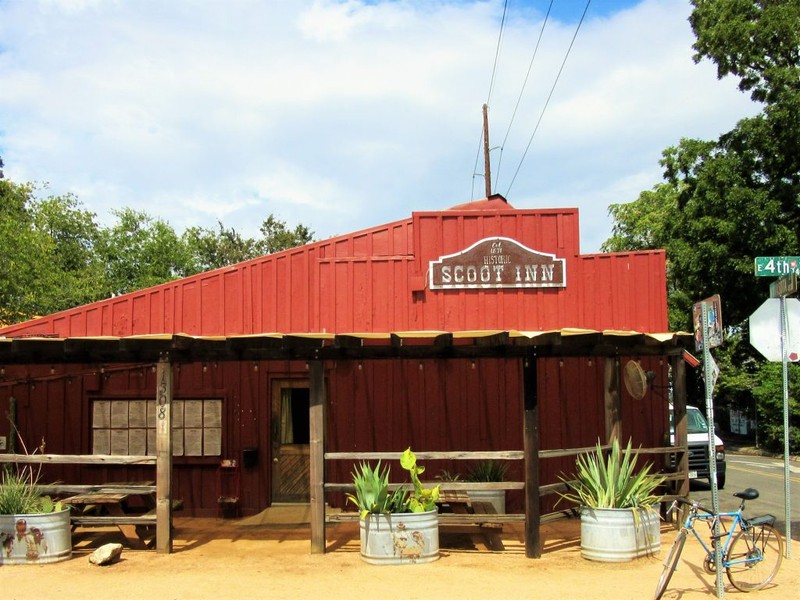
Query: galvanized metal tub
point(35, 538)
point(616, 535)
point(497, 498)
point(400, 539)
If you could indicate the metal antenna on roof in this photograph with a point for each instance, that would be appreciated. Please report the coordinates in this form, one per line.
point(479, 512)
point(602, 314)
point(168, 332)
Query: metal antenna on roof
point(487, 171)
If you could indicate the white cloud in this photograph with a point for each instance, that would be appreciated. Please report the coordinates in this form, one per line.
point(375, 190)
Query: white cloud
point(343, 115)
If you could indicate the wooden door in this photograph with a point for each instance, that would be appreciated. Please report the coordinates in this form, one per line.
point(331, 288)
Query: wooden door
point(290, 440)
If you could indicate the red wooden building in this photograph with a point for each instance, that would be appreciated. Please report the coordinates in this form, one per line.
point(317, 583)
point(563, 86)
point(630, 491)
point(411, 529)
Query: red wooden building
point(473, 274)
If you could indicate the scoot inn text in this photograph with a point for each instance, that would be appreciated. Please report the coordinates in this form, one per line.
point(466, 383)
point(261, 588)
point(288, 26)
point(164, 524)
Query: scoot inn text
point(497, 263)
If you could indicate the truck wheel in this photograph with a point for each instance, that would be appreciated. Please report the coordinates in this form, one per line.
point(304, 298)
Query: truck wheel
point(720, 481)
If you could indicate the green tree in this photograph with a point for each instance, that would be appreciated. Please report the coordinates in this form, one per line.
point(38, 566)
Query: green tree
point(725, 201)
point(768, 393)
point(139, 252)
point(211, 249)
point(47, 260)
point(277, 236)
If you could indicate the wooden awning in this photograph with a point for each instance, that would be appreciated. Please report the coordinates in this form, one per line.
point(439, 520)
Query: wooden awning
point(340, 346)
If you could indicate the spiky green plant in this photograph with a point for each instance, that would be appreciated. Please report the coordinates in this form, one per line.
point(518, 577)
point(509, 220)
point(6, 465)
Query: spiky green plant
point(372, 491)
point(487, 470)
point(21, 495)
point(373, 496)
point(612, 481)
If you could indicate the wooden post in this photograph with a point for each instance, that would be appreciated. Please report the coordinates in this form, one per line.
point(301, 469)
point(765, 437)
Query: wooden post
point(164, 456)
point(533, 545)
point(612, 400)
point(317, 455)
point(486, 161)
point(681, 422)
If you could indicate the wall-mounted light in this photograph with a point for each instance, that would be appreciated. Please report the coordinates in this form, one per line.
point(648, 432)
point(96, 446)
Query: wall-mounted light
point(472, 365)
point(420, 366)
point(360, 366)
point(255, 367)
point(205, 368)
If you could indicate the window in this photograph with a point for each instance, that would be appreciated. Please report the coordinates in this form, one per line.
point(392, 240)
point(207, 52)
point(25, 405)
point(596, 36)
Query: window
point(294, 425)
point(128, 427)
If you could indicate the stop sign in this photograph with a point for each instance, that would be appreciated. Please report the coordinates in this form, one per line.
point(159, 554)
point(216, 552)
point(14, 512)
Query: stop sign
point(765, 329)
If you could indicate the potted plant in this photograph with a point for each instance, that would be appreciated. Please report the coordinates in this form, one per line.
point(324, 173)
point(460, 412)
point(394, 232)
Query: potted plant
point(489, 471)
point(619, 520)
point(397, 526)
point(33, 528)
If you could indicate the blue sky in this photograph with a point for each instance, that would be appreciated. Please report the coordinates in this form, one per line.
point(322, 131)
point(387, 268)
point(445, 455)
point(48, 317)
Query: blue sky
point(346, 114)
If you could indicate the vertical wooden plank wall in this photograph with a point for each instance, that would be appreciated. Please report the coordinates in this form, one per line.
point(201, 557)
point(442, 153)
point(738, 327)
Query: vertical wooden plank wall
point(374, 280)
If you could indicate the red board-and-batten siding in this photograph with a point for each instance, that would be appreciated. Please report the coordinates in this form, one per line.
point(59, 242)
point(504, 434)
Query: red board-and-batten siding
point(373, 280)
point(376, 280)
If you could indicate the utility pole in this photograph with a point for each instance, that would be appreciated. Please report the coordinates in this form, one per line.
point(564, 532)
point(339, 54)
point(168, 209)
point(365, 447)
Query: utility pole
point(486, 166)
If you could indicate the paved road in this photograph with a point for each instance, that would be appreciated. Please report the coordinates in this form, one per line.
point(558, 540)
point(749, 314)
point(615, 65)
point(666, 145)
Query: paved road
point(766, 475)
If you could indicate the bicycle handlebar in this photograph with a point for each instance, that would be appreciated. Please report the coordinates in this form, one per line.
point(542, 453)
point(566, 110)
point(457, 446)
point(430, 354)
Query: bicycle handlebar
point(693, 503)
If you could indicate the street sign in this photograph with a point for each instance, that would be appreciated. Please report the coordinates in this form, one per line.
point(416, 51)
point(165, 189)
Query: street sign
point(785, 286)
point(713, 332)
point(765, 329)
point(775, 266)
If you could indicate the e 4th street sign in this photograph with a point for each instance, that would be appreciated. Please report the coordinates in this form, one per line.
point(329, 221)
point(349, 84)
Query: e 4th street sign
point(776, 266)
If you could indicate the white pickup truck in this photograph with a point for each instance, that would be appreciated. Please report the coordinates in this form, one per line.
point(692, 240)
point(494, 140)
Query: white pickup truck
point(697, 434)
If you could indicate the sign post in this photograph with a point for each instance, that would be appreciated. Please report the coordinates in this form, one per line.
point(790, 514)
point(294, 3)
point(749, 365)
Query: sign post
point(707, 318)
point(778, 319)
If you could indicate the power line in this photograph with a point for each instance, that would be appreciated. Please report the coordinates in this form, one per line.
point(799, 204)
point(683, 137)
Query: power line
point(489, 95)
point(522, 90)
point(549, 96)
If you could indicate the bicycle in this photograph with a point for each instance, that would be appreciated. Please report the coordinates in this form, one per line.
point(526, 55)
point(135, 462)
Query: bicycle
point(752, 550)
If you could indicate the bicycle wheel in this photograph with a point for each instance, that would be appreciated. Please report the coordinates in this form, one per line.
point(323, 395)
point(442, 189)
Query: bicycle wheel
point(670, 563)
point(756, 554)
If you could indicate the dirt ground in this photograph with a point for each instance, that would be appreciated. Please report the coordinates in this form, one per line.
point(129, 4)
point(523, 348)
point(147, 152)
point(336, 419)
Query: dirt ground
point(229, 558)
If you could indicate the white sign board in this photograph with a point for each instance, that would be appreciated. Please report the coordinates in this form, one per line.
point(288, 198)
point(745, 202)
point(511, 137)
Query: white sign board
point(765, 329)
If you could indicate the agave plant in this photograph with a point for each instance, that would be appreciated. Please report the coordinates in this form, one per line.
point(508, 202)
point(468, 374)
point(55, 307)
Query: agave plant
point(613, 481)
point(487, 470)
point(372, 491)
point(373, 495)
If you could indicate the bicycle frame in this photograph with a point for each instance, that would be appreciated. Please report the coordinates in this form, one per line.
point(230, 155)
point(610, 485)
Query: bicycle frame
point(709, 518)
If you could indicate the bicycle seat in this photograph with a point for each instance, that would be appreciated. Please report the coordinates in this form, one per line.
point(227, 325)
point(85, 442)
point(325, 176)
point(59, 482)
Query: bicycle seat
point(748, 494)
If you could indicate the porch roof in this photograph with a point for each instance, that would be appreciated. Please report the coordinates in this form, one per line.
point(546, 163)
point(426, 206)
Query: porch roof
point(341, 346)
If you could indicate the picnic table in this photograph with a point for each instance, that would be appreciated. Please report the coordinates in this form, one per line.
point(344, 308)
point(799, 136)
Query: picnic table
point(109, 507)
point(470, 517)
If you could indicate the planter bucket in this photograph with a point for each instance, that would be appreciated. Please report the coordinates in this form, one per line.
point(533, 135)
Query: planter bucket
point(496, 498)
point(35, 538)
point(400, 539)
point(612, 534)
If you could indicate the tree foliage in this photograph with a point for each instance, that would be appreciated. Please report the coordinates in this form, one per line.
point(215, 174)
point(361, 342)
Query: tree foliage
point(54, 255)
point(725, 201)
point(768, 393)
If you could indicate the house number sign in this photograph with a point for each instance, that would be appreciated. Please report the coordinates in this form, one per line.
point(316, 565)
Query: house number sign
point(497, 262)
